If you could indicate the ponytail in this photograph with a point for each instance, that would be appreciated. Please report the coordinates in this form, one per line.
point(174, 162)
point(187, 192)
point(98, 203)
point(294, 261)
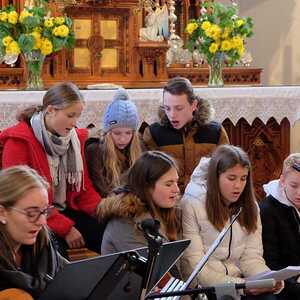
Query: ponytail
point(27, 113)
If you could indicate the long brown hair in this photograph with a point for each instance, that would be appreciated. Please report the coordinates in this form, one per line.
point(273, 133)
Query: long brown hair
point(15, 182)
point(112, 164)
point(224, 158)
point(60, 95)
point(141, 180)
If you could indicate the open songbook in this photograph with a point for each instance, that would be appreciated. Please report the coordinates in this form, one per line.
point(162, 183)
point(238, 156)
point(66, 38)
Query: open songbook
point(282, 274)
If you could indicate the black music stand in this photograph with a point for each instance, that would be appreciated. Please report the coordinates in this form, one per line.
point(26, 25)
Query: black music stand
point(112, 277)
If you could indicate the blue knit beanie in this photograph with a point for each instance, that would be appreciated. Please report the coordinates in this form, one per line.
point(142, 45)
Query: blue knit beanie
point(121, 112)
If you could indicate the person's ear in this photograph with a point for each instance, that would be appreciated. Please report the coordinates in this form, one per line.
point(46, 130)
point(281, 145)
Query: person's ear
point(194, 105)
point(50, 109)
point(3, 214)
point(282, 180)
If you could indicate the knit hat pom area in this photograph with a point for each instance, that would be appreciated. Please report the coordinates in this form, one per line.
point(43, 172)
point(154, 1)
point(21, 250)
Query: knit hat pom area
point(121, 94)
point(121, 112)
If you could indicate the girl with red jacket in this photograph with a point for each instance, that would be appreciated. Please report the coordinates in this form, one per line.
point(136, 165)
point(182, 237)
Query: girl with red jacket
point(46, 140)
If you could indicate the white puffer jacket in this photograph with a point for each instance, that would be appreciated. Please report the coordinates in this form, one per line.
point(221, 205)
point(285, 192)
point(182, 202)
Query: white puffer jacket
point(240, 255)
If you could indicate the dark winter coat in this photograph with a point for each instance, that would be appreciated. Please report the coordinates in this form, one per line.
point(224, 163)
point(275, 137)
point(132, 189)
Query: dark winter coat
point(187, 145)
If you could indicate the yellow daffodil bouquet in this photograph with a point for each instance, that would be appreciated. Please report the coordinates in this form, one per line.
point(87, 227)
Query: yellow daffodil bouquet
point(219, 32)
point(34, 34)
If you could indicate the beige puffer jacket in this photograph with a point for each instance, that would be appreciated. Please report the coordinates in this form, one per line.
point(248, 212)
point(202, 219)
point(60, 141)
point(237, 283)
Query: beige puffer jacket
point(240, 254)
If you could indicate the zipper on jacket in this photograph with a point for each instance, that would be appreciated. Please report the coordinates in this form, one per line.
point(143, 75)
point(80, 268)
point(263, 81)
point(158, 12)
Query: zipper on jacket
point(229, 250)
point(230, 241)
point(226, 270)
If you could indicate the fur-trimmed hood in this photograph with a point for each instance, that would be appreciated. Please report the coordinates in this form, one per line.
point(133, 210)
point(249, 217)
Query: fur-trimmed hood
point(203, 114)
point(121, 206)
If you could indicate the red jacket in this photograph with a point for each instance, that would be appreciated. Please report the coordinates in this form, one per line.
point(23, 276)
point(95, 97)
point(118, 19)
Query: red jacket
point(22, 148)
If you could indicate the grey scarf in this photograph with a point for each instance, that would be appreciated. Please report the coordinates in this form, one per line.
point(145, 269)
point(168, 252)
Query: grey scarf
point(66, 152)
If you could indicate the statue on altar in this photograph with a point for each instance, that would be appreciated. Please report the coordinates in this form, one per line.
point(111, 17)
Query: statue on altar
point(156, 23)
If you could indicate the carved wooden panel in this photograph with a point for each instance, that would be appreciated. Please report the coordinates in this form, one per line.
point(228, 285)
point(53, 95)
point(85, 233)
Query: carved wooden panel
point(185, 10)
point(152, 62)
point(234, 75)
point(11, 77)
point(267, 146)
point(101, 44)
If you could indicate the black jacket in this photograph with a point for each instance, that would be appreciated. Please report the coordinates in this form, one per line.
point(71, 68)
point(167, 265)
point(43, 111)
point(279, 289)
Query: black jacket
point(35, 271)
point(281, 241)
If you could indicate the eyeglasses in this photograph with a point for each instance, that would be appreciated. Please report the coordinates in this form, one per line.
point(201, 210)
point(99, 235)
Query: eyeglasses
point(33, 214)
point(296, 166)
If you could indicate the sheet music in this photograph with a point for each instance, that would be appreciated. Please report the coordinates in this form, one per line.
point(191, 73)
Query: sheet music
point(278, 275)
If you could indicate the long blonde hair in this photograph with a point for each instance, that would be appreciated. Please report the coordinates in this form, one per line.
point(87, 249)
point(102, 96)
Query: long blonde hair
point(15, 182)
point(112, 161)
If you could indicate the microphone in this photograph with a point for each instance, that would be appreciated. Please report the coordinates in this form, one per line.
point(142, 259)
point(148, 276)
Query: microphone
point(229, 290)
point(259, 284)
point(150, 227)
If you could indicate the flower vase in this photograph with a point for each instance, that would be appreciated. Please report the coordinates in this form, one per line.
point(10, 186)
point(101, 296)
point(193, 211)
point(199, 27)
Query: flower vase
point(34, 64)
point(215, 71)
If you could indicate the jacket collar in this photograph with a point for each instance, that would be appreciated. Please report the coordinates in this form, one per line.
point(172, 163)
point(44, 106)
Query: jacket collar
point(202, 115)
point(274, 189)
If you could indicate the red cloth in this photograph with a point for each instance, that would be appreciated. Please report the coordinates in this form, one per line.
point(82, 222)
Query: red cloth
point(21, 147)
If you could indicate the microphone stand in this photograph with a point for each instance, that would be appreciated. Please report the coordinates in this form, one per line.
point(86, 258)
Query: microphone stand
point(154, 244)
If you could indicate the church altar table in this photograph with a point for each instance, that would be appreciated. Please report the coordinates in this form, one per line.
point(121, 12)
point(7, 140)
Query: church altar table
point(231, 103)
point(259, 119)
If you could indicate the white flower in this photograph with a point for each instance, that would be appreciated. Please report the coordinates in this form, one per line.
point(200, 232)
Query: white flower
point(203, 11)
point(200, 39)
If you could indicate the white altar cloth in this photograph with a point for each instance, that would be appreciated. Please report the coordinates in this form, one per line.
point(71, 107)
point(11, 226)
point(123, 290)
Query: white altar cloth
point(229, 102)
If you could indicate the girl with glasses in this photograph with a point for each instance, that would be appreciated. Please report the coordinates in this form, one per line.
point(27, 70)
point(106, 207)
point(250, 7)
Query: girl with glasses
point(28, 260)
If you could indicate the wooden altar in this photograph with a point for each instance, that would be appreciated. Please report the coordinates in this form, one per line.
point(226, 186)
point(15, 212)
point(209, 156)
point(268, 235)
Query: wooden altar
point(108, 50)
point(231, 76)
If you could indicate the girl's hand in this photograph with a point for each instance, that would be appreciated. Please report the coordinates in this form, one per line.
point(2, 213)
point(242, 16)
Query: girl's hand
point(274, 290)
point(74, 239)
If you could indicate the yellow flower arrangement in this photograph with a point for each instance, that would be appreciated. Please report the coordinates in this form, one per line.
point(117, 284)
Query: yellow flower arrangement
point(219, 31)
point(33, 30)
point(34, 34)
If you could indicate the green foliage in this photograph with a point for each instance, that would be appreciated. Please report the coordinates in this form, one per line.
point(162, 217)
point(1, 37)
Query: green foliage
point(26, 42)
